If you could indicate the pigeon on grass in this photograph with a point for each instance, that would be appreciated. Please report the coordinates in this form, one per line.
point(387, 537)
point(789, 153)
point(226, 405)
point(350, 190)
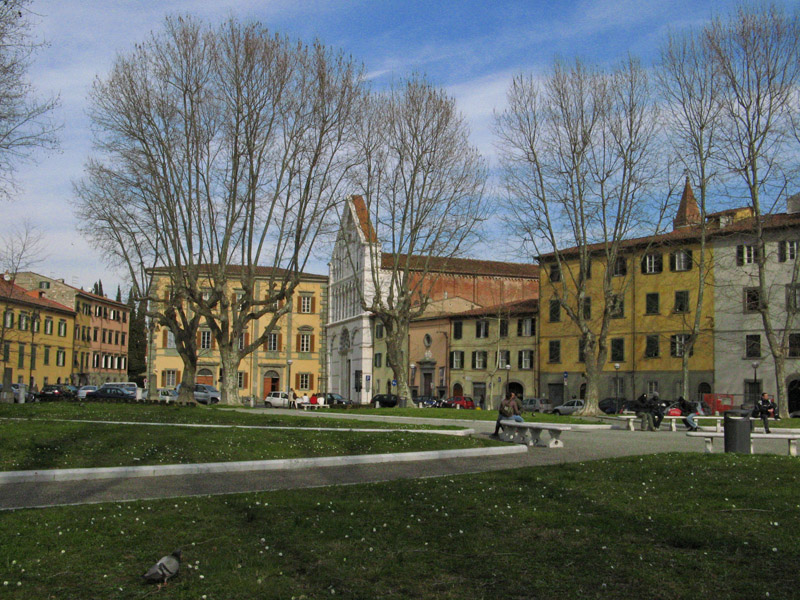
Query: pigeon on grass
point(164, 569)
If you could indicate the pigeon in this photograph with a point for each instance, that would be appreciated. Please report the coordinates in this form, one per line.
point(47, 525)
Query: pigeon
point(164, 569)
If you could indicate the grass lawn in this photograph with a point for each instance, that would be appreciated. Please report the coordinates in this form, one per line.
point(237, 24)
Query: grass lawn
point(663, 526)
point(470, 415)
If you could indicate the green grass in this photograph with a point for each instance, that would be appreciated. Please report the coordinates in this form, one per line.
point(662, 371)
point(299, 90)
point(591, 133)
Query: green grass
point(469, 415)
point(664, 526)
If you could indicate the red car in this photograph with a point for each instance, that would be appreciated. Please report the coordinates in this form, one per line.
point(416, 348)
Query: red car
point(458, 402)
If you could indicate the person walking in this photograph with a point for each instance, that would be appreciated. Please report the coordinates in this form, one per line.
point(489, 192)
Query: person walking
point(292, 399)
point(762, 408)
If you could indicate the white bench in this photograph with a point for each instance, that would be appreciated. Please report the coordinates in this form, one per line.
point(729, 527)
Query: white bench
point(530, 433)
point(709, 437)
point(307, 405)
point(673, 420)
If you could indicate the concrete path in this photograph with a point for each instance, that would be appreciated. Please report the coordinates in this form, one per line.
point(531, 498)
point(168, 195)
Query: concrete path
point(581, 445)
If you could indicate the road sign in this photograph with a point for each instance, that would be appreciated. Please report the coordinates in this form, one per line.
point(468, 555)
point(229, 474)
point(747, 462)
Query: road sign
point(394, 381)
point(565, 375)
point(367, 376)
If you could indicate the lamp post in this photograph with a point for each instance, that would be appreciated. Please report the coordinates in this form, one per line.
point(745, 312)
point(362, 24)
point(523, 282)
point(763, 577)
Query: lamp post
point(754, 364)
point(508, 371)
point(288, 382)
point(616, 383)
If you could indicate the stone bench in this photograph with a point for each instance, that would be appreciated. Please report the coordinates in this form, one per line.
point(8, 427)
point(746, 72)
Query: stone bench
point(530, 433)
point(709, 437)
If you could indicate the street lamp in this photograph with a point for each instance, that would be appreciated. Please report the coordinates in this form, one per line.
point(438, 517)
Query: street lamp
point(616, 382)
point(754, 364)
point(508, 370)
point(288, 382)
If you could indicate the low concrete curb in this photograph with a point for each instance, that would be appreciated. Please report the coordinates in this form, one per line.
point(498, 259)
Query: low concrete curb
point(250, 465)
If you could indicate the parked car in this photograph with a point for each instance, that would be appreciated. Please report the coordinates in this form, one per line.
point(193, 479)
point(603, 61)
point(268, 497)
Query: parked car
point(458, 402)
point(58, 391)
point(204, 394)
point(426, 401)
point(167, 395)
point(15, 389)
point(385, 400)
point(129, 389)
point(83, 390)
point(612, 406)
point(535, 405)
point(110, 392)
point(129, 386)
point(336, 400)
point(568, 407)
point(277, 399)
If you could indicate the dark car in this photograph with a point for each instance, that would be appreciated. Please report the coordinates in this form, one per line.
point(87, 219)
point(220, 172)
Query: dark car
point(458, 402)
point(426, 401)
point(612, 406)
point(385, 400)
point(336, 400)
point(57, 391)
point(109, 393)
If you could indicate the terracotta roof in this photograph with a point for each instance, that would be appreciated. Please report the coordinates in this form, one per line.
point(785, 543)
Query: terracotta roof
point(693, 233)
point(11, 292)
point(362, 214)
point(261, 272)
point(84, 292)
point(464, 266)
point(688, 211)
point(517, 307)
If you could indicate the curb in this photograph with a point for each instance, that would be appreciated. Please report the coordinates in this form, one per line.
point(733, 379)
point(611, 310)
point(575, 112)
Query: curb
point(250, 465)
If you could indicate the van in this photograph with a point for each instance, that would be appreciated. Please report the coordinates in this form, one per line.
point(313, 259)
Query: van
point(535, 405)
point(129, 386)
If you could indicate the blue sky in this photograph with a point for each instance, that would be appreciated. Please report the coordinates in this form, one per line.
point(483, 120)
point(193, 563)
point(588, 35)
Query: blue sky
point(470, 48)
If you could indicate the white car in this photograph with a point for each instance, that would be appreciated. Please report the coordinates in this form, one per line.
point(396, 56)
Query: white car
point(568, 407)
point(279, 399)
point(82, 391)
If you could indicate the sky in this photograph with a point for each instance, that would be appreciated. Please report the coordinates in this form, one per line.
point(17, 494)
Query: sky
point(470, 48)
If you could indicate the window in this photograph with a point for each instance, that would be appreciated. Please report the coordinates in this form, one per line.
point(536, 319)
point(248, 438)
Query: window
point(677, 345)
point(554, 351)
point(122, 339)
point(681, 260)
point(503, 327)
point(620, 267)
point(555, 273)
point(682, 301)
point(378, 330)
point(205, 340)
point(581, 350)
point(240, 341)
point(24, 319)
point(305, 342)
point(36, 322)
point(651, 304)
point(96, 360)
point(525, 327)
point(21, 356)
point(555, 311)
point(305, 381)
point(46, 357)
point(752, 300)
point(651, 347)
point(44, 285)
point(793, 298)
point(617, 306)
point(61, 358)
point(116, 338)
point(481, 329)
point(48, 326)
point(787, 250)
point(479, 359)
point(587, 309)
point(587, 273)
point(652, 388)
point(441, 377)
point(652, 263)
point(746, 254)
point(378, 359)
point(617, 349)
point(794, 345)
point(7, 351)
point(241, 378)
point(457, 329)
point(94, 337)
point(457, 359)
point(272, 342)
point(8, 319)
point(752, 346)
point(104, 335)
point(33, 357)
point(503, 358)
point(525, 359)
point(305, 304)
point(170, 377)
point(62, 328)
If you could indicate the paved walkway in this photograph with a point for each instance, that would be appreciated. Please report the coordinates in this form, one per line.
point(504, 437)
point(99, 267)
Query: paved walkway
point(581, 445)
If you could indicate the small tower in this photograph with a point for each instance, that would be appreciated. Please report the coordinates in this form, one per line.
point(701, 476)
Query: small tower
point(688, 213)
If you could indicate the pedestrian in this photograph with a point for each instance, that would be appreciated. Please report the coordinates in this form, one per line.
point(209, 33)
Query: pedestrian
point(292, 399)
point(762, 408)
point(689, 412)
point(508, 410)
point(482, 402)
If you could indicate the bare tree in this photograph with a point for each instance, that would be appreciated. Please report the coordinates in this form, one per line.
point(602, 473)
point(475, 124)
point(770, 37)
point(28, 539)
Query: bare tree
point(578, 151)
point(231, 144)
point(423, 183)
point(690, 86)
point(25, 123)
point(756, 53)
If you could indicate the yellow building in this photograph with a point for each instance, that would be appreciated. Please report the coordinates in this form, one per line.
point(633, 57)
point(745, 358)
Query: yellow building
point(656, 283)
point(37, 337)
point(292, 356)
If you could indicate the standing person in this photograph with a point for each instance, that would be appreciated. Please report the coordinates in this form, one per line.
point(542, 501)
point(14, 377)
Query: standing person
point(508, 409)
point(292, 399)
point(762, 408)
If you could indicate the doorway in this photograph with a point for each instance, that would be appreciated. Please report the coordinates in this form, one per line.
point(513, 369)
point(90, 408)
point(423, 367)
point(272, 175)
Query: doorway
point(205, 377)
point(427, 384)
point(555, 392)
point(272, 382)
point(515, 388)
point(458, 390)
point(794, 395)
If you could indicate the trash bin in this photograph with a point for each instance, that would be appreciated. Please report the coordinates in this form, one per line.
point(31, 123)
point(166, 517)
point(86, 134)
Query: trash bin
point(736, 424)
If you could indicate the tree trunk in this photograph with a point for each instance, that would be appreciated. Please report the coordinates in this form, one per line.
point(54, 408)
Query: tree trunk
point(397, 357)
point(229, 357)
point(186, 392)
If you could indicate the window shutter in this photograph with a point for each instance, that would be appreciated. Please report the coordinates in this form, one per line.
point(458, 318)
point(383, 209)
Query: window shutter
point(246, 339)
point(299, 304)
point(313, 304)
point(519, 327)
point(477, 328)
point(198, 340)
point(297, 381)
point(311, 381)
point(740, 255)
point(245, 380)
point(266, 345)
point(163, 378)
point(519, 359)
point(311, 347)
point(280, 342)
point(452, 358)
point(178, 376)
point(474, 353)
point(644, 264)
point(781, 251)
point(213, 343)
point(659, 263)
point(164, 338)
point(297, 343)
point(672, 260)
point(689, 259)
